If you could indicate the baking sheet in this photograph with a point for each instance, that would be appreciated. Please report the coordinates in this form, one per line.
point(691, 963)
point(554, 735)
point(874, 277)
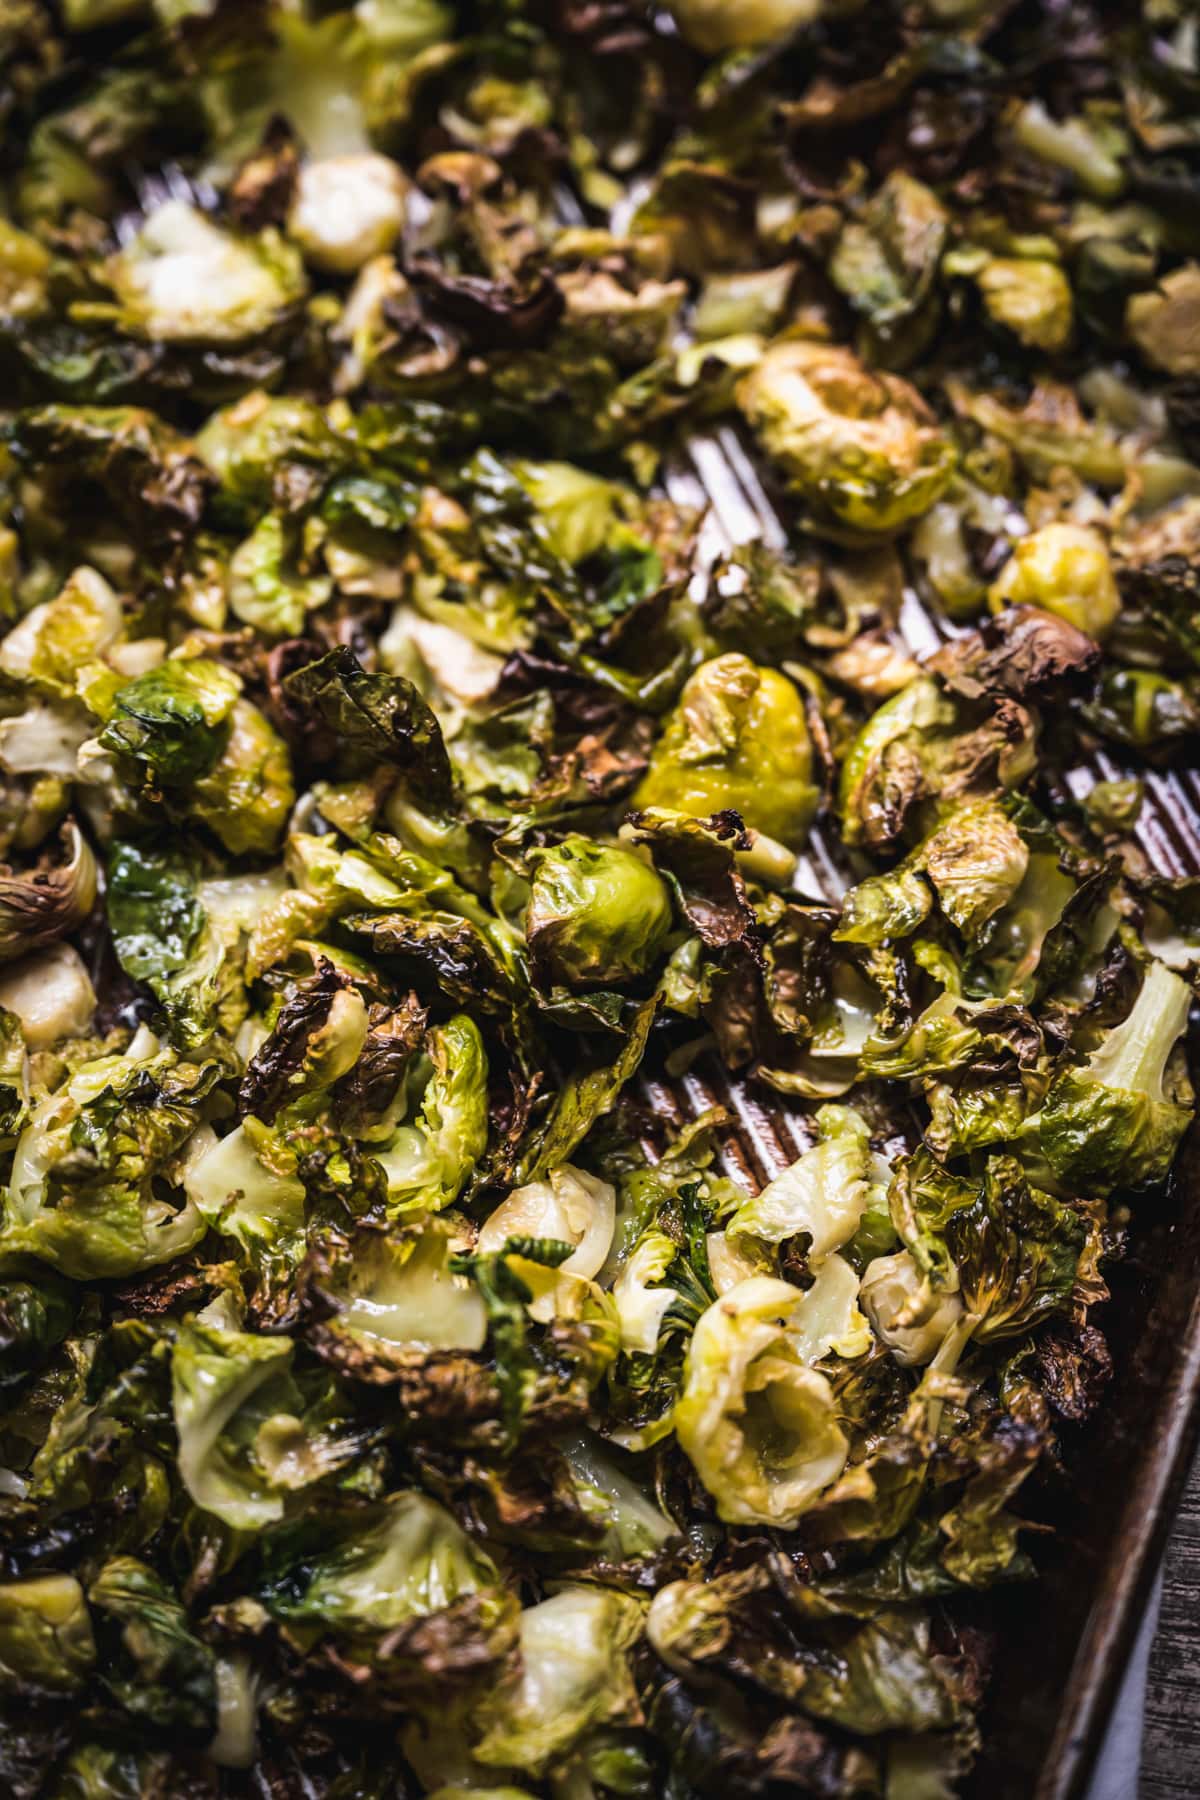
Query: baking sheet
point(1065, 1643)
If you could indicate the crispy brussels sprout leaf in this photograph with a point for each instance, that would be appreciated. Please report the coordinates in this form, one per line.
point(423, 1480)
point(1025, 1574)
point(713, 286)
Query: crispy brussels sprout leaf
point(225, 1383)
point(156, 1669)
point(406, 1598)
point(575, 1675)
point(585, 1096)
point(245, 1185)
point(380, 716)
point(1114, 1122)
point(88, 1192)
point(169, 721)
point(39, 906)
point(428, 1162)
point(823, 1194)
point(184, 280)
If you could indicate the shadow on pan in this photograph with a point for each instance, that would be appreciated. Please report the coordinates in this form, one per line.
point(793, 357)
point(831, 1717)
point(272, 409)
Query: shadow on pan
point(1062, 1644)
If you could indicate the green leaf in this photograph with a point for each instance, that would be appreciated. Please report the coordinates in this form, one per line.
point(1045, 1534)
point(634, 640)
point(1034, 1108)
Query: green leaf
point(154, 911)
point(154, 1666)
point(381, 716)
point(585, 1096)
point(169, 720)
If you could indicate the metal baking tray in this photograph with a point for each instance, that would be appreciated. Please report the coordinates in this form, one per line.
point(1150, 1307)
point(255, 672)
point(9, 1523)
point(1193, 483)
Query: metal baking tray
point(1062, 1643)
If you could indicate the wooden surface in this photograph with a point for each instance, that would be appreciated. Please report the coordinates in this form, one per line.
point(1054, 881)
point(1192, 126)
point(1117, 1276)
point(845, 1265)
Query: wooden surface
point(1171, 1743)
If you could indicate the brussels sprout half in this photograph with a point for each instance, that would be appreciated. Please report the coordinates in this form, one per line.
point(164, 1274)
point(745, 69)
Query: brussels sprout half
point(597, 914)
point(862, 450)
point(738, 739)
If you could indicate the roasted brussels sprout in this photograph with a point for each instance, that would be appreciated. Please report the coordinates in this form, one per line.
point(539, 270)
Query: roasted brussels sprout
point(759, 1427)
point(1066, 570)
point(347, 209)
point(1163, 323)
point(47, 903)
point(862, 449)
point(738, 738)
point(1028, 295)
point(716, 25)
point(597, 914)
point(476, 485)
point(184, 280)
